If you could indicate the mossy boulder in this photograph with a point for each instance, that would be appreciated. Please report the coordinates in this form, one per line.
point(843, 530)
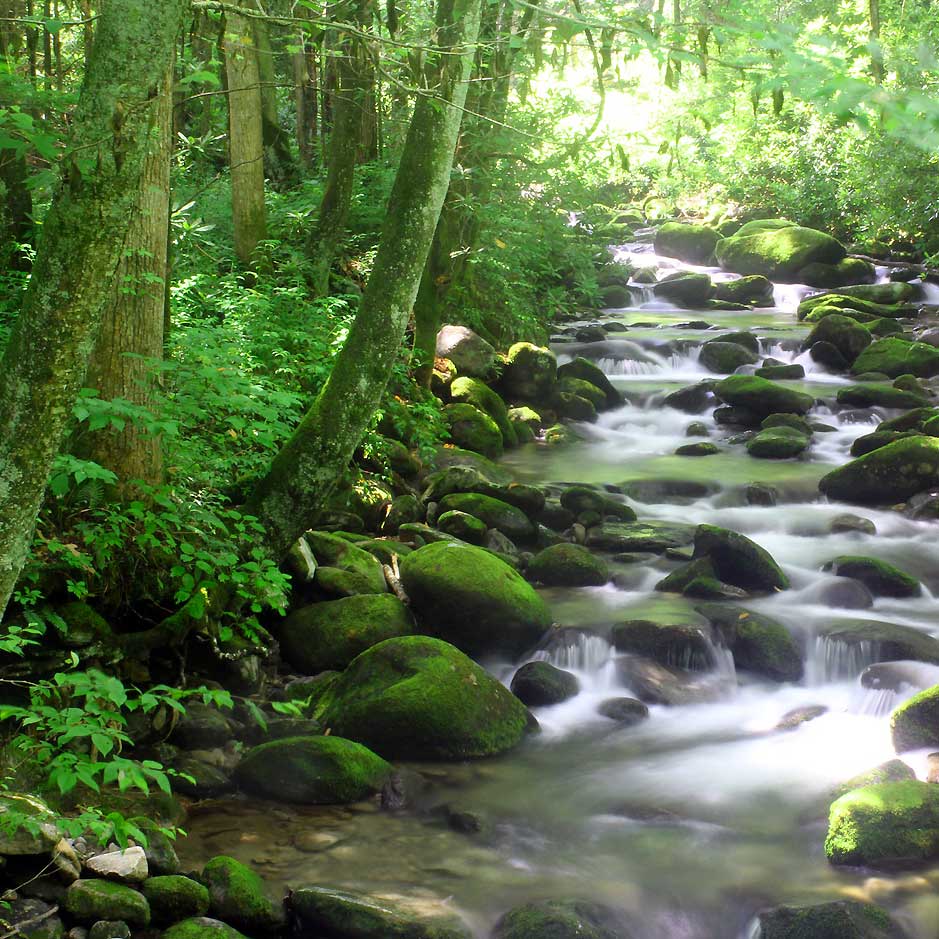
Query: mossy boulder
point(472, 429)
point(530, 372)
point(887, 825)
point(685, 289)
point(174, 897)
point(581, 499)
point(582, 389)
point(568, 565)
point(846, 271)
point(88, 901)
point(881, 578)
point(737, 560)
point(469, 597)
point(777, 443)
point(561, 919)
point(586, 370)
point(323, 911)
point(839, 919)
point(762, 397)
point(757, 225)
point(466, 390)
point(781, 372)
point(704, 448)
point(571, 407)
point(462, 525)
point(85, 625)
point(681, 645)
point(759, 644)
point(724, 358)
point(421, 698)
point(891, 771)
point(893, 357)
point(752, 289)
point(887, 292)
point(511, 521)
point(778, 254)
point(238, 896)
point(334, 551)
point(884, 642)
point(469, 352)
point(876, 394)
point(845, 334)
point(537, 684)
point(312, 771)
point(888, 475)
point(324, 636)
point(202, 927)
point(915, 723)
point(693, 244)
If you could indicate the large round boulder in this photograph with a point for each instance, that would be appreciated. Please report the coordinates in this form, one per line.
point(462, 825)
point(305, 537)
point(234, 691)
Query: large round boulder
point(335, 552)
point(560, 919)
point(530, 372)
point(880, 577)
point(330, 635)
point(762, 397)
point(473, 429)
point(724, 358)
point(915, 723)
point(839, 919)
point(693, 244)
point(588, 371)
point(778, 254)
point(237, 895)
point(538, 684)
point(685, 289)
point(893, 357)
point(849, 337)
point(467, 390)
point(473, 599)
point(421, 698)
point(568, 565)
point(737, 560)
point(511, 521)
point(777, 443)
point(469, 352)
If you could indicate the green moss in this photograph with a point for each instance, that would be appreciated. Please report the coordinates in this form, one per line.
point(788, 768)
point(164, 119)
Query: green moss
point(915, 723)
point(174, 897)
point(421, 698)
point(891, 641)
point(90, 900)
point(462, 525)
point(777, 443)
point(582, 389)
point(885, 825)
point(738, 560)
point(881, 578)
point(568, 565)
point(894, 357)
point(587, 371)
point(85, 625)
point(312, 771)
point(202, 927)
point(875, 394)
point(685, 289)
point(238, 896)
point(724, 358)
point(752, 289)
point(839, 919)
point(334, 551)
point(778, 254)
point(703, 448)
point(762, 397)
point(847, 336)
point(511, 521)
point(530, 372)
point(754, 226)
point(559, 919)
point(469, 597)
point(579, 499)
point(679, 645)
point(693, 244)
point(538, 684)
point(891, 771)
point(473, 429)
point(480, 395)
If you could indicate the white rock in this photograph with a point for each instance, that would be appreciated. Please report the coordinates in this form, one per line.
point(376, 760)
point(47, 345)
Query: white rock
point(129, 865)
point(67, 861)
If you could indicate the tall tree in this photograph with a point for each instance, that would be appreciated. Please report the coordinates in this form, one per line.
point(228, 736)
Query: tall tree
point(245, 136)
point(303, 475)
point(132, 323)
point(279, 164)
point(82, 241)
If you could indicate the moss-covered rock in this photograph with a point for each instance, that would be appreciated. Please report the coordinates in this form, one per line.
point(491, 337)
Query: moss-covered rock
point(693, 244)
point(685, 289)
point(581, 499)
point(778, 254)
point(762, 397)
point(756, 225)
point(537, 684)
point(849, 337)
point(470, 598)
point(737, 560)
point(846, 271)
point(202, 927)
point(421, 698)
point(724, 358)
point(88, 901)
point(469, 352)
point(29, 918)
point(915, 723)
point(858, 308)
point(654, 537)
point(887, 475)
point(625, 711)
point(881, 578)
point(462, 525)
point(894, 357)
point(752, 289)
point(530, 372)
point(704, 448)
point(893, 824)
point(891, 771)
point(472, 391)
point(312, 771)
point(323, 911)
point(238, 896)
point(884, 642)
point(839, 919)
point(561, 919)
point(876, 394)
point(85, 625)
point(175, 897)
point(511, 521)
point(568, 565)
point(586, 370)
point(781, 372)
point(582, 389)
point(777, 443)
point(759, 644)
point(680, 645)
point(472, 429)
point(889, 292)
point(330, 635)
point(334, 551)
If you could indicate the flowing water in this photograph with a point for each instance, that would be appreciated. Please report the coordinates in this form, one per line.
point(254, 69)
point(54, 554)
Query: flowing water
point(703, 814)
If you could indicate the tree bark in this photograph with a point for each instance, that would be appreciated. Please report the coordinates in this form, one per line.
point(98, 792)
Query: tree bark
point(303, 475)
point(245, 137)
point(302, 104)
point(16, 224)
point(133, 320)
point(82, 240)
point(279, 164)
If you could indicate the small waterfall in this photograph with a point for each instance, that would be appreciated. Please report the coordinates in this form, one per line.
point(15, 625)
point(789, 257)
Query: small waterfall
point(651, 363)
point(753, 930)
point(831, 660)
point(874, 702)
point(589, 656)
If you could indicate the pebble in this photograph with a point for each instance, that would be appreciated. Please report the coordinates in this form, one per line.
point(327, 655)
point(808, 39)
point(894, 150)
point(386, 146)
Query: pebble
point(312, 841)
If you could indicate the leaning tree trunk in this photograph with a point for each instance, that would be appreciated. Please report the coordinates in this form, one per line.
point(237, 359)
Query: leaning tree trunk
point(245, 137)
point(132, 323)
point(83, 238)
point(304, 473)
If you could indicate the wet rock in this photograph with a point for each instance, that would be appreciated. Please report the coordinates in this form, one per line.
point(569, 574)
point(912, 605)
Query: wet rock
point(890, 474)
point(202, 927)
point(685, 289)
point(561, 919)
point(705, 448)
point(573, 407)
point(697, 429)
point(586, 370)
point(685, 646)
point(781, 372)
point(737, 560)
point(511, 521)
point(791, 421)
point(328, 912)
point(201, 728)
point(473, 599)
point(174, 898)
point(568, 565)
point(839, 919)
point(470, 353)
point(778, 254)
point(238, 896)
point(404, 790)
point(653, 537)
point(759, 494)
point(312, 771)
point(891, 771)
point(204, 781)
point(334, 551)
point(915, 723)
point(27, 840)
point(583, 389)
point(841, 524)
point(692, 400)
point(799, 716)
point(462, 525)
point(30, 919)
point(530, 372)
point(537, 684)
point(625, 711)
point(672, 491)
point(161, 855)
point(403, 509)
point(473, 429)
point(777, 443)
point(848, 336)
point(662, 684)
point(109, 929)
point(874, 394)
point(847, 271)
point(592, 333)
point(420, 698)
point(828, 356)
point(325, 636)
point(693, 244)
point(91, 900)
point(752, 289)
point(762, 397)
point(893, 357)
point(899, 676)
point(881, 578)
point(724, 358)
point(843, 594)
point(580, 499)
point(868, 443)
point(129, 866)
point(887, 825)
point(884, 641)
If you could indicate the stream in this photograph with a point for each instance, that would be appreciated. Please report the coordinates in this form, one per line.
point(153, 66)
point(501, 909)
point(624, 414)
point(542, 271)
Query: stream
point(703, 814)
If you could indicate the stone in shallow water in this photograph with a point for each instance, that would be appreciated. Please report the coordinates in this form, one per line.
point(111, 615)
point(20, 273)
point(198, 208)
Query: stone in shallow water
point(799, 716)
point(840, 919)
point(880, 577)
point(625, 711)
point(537, 684)
point(561, 919)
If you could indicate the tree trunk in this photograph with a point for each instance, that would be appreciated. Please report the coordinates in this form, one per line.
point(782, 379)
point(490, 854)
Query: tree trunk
point(83, 237)
point(278, 160)
point(16, 224)
point(877, 55)
point(245, 137)
point(301, 98)
point(133, 320)
point(304, 473)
